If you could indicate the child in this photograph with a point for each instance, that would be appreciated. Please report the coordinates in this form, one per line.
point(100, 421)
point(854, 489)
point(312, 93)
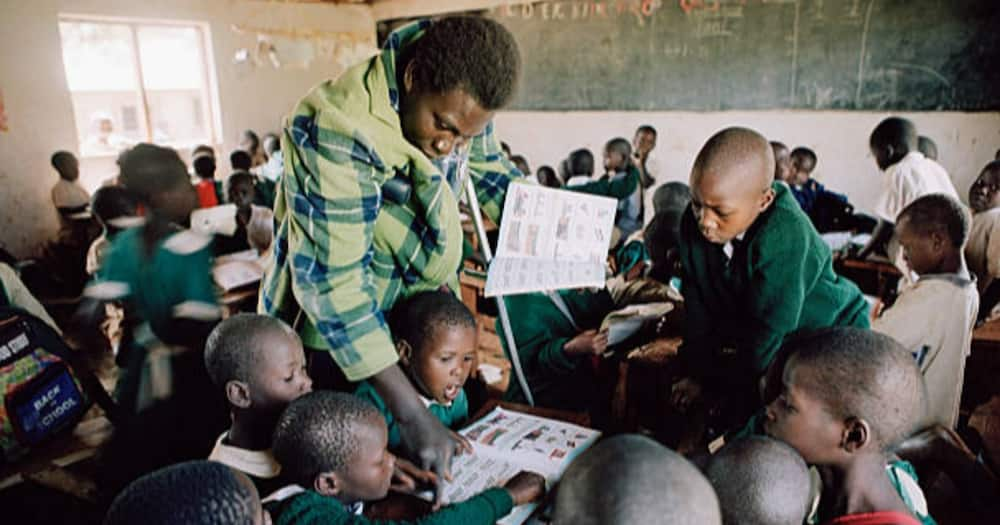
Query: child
point(643, 143)
point(632, 479)
point(908, 175)
point(983, 249)
point(848, 397)
point(275, 165)
point(436, 337)
point(547, 177)
point(68, 196)
point(829, 211)
point(554, 341)
point(618, 167)
point(259, 365)
point(760, 480)
point(522, 164)
point(254, 224)
point(194, 492)
point(116, 209)
point(755, 270)
point(783, 170)
point(240, 160)
point(204, 168)
point(927, 146)
point(333, 446)
point(250, 143)
point(672, 196)
point(578, 168)
point(934, 318)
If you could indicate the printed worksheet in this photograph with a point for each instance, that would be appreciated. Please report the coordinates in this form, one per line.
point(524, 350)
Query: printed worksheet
point(550, 240)
point(507, 442)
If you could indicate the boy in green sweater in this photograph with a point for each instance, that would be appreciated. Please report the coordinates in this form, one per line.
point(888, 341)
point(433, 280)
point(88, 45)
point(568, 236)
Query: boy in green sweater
point(435, 335)
point(755, 270)
point(333, 446)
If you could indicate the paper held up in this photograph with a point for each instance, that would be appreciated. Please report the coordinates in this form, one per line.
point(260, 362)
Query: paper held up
point(624, 323)
point(550, 240)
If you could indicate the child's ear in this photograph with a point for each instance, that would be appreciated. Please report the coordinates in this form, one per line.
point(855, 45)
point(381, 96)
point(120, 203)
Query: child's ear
point(405, 351)
point(238, 394)
point(327, 484)
point(408, 78)
point(766, 199)
point(856, 436)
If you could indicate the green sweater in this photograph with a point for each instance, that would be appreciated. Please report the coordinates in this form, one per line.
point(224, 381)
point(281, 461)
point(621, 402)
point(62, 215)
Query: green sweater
point(310, 508)
point(452, 416)
point(540, 331)
point(780, 279)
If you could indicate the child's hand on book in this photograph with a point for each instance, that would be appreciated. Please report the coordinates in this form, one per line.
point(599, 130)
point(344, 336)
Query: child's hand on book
point(526, 487)
point(408, 477)
point(590, 342)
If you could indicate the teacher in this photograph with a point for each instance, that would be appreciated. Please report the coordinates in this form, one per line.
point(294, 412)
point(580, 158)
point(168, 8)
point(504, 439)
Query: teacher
point(348, 243)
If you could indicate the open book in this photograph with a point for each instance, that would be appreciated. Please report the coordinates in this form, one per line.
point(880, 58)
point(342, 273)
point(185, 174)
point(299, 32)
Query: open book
point(507, 442)
point(550, 240)
point(237, 269)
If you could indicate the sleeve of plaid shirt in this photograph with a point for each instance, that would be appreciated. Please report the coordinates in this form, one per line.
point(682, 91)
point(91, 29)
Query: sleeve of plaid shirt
point(334, 198)
point(491, 172)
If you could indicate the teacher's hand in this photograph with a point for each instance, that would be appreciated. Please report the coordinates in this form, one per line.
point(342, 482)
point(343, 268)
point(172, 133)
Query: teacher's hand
point(425, 441)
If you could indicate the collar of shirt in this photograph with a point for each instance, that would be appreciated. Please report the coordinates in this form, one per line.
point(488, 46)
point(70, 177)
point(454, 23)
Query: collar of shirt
point(258, 463)
point(730, 246)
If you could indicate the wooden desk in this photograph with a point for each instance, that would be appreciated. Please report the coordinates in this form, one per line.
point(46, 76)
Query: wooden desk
point(397, 506)
point(877, 277)
point(987, 336)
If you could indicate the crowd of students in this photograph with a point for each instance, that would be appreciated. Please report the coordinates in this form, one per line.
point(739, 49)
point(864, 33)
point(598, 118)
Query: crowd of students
point(783, 354)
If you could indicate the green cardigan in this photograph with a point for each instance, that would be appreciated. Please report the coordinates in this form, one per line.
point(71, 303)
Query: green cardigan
point(310, 508)
point(779, 280)
point(540, 331)
point(452, 416)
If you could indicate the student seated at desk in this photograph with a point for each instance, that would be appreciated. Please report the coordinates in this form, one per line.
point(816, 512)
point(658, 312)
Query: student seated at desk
point(332, 447)
point(203, 163)
point(907, 176)
point(254, 224)
point(935, 317)
point(68, 196)
point(847, 398)
point(760, 480)
point(258, 364)
point(547, 177)
point(116, 210)
point(264, 189)
point(436, 337)
point(671, 196)
point(983, 250)
point(629, 479)
point(755, 270)
point(194, 492)
point(829, 211)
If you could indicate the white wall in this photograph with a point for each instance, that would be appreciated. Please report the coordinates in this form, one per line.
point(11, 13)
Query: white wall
point(40, 114)
point(966, 141)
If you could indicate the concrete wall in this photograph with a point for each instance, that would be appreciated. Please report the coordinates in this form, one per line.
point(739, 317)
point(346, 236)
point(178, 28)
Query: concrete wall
point(40, 113)
point(966, 141)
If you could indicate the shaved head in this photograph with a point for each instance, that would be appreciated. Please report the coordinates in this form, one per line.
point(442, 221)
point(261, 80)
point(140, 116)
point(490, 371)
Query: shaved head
point(731, 183)
point(633, 479)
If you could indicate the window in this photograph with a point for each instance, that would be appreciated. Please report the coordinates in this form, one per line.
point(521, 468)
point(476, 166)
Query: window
point(138, 81)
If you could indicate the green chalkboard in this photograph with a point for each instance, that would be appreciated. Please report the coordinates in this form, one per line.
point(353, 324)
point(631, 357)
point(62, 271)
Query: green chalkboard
point(711, 55)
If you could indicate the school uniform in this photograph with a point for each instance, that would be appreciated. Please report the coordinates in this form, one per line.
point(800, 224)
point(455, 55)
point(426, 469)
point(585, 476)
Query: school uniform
point(982, 251)
point(452, 415)
point(174, 283)
point(306, 507)
point(343, 270)
point(745, 297)
point(259, 465)
point(541, 329)
point(934, 319)
point(624, 186)
point(207, 197)
point(875, 518)
point(69, 195)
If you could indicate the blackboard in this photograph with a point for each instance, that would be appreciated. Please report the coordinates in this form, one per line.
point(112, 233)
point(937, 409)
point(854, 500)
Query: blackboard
point(713, 55)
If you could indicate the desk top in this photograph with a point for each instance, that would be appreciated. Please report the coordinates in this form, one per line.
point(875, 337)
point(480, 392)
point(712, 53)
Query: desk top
point(880, 264)
point(988, 333)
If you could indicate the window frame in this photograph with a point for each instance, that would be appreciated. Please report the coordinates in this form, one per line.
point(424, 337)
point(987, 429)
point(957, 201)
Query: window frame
point(209, 88)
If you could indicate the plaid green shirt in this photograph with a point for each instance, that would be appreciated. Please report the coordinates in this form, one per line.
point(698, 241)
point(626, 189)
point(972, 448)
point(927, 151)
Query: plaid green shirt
point(344, 255)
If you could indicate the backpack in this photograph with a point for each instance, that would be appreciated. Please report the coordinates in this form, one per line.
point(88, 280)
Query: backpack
point(40, 395)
